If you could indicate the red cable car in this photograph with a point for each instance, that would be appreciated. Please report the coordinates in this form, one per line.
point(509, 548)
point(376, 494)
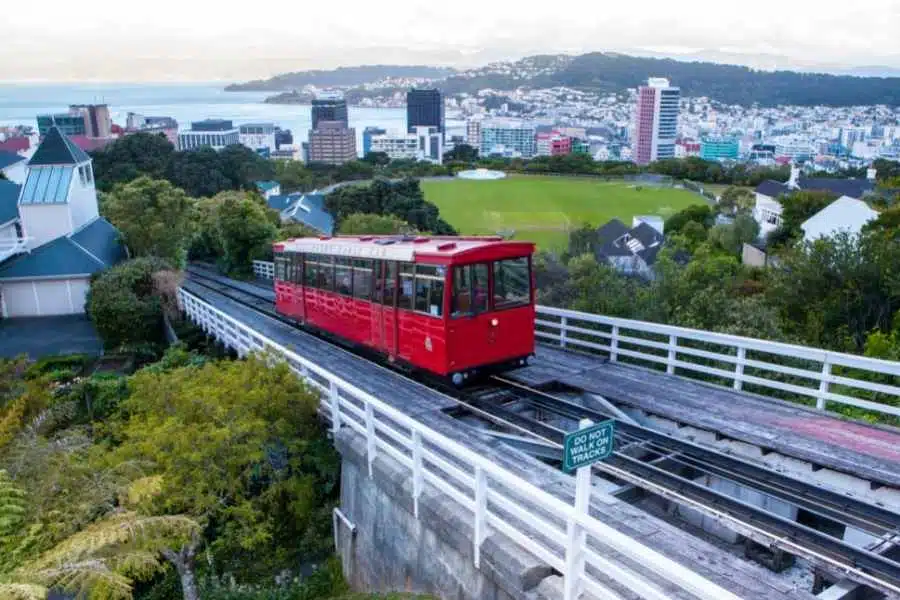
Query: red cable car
point(452, 306)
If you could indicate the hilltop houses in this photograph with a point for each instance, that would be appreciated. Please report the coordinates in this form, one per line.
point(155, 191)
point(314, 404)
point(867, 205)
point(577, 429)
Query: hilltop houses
point(52, 238)
point(767, 210)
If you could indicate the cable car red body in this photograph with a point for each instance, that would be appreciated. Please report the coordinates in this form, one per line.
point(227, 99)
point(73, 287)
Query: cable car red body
point(451, 306)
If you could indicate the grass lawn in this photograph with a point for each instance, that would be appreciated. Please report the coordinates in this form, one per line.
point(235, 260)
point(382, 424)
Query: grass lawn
point(544, 209)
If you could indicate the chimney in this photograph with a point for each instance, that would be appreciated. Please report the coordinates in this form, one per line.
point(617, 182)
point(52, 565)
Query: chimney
point(871, 173)
point(794, 181)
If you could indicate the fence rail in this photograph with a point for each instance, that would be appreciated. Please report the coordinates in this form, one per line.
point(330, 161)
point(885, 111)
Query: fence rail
point(766, 368)
point(567, 538)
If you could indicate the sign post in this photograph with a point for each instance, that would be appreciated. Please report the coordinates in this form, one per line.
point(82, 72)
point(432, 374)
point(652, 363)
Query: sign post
point(582, 448)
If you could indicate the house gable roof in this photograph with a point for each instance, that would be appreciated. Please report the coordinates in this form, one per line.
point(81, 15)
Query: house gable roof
point(57, 149)
point(309, 209)
point(844, 214)
point(9, 198)
point(772, 188)
point(8, 159)
point(611, 231)
point(854, 188)
point(281, 202)
point(92, 248)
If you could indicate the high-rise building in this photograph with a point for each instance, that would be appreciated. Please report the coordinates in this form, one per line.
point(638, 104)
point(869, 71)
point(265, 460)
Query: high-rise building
point(258, 136)
point(215, 133)
point(656, 121)
point(511, 141)
point(69, 124)
point(719, 148)
point(425, 143)
point(329, 107)
point(97, 121)
point(332, 142)
point(368, 134)
point(424, 108)
point(473, 133)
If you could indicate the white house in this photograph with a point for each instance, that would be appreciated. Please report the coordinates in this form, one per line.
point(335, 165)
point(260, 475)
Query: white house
point(12, 165)
point(62, 239)
point(845, 214)
point(767, 211)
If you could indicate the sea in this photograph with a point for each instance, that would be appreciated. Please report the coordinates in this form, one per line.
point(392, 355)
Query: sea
point(20, 103)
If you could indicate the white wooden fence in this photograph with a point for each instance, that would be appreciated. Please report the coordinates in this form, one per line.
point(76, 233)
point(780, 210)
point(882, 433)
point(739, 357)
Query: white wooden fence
point(500, 503)
point(769, 367)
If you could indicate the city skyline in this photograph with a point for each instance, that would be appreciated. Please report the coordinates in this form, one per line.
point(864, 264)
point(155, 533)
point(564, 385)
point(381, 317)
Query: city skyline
point(198, 45)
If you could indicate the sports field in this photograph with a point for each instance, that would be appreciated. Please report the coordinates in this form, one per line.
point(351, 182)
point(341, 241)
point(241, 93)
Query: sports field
point(544, 209)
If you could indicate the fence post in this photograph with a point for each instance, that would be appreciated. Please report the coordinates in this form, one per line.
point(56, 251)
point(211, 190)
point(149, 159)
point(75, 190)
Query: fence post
point(418, 477)
point(563, 324)
point(370, 435)
point(673, 348)
point(824, 384)
point(576, 534)
point(739, 368)
point(480, 512)
point(614, 344)
point(334, 399)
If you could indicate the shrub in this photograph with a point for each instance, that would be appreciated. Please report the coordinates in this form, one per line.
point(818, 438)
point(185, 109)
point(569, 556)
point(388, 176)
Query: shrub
point(124, 305)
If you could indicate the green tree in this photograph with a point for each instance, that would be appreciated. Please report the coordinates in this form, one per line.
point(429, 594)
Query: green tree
point(736, 199)
point(246, 457)
point(132, 156)
point(123, 305)
point(377, 158)
point(701, 214)
point(154, 217)
point(583, 240)
point(362, 223)
point(462, 153)
point(201, 173)
point(733, 236)
point(243, 166)
point(245, 231)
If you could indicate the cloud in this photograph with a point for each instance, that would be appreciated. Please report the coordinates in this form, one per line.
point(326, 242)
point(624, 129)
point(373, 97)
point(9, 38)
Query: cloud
point(187, 39)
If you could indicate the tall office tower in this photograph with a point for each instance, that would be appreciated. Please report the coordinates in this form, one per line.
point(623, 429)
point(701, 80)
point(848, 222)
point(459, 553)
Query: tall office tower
point(329, 107)
point(333, 143)
point(424, 108)
point(656, 121)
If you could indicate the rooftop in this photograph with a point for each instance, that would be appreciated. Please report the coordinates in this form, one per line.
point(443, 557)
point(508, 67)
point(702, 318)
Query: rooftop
point(7, 159)
point(9, 198)
point(403, 248)
point(57, 149)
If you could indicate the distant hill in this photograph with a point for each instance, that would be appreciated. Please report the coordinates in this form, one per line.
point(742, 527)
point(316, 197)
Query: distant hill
point(609, 72)
point(342, 76)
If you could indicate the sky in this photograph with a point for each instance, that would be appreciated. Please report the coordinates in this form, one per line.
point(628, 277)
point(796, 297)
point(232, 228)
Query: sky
point(202, 40)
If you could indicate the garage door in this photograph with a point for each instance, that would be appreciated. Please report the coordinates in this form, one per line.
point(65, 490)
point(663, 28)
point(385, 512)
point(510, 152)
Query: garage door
point(53, 297)
point(79, 289)
point(18, 300)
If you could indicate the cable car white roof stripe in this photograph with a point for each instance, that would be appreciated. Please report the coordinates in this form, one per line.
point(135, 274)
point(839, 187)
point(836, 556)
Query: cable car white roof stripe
point(404, 252)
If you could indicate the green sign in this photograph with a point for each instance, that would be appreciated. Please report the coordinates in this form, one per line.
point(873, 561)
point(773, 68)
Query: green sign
point(586, 446)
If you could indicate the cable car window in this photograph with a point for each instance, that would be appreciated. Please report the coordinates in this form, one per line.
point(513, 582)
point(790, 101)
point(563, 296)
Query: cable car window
point(293, 266)
point(312, 270)
point(362, 279)
point(325, 275)
point(430, 289)
point(390, 283)
point(343, 276)
point(480, 288)
point(279, 267)
point(461, 302)
point(406, 290)
point(511, 282)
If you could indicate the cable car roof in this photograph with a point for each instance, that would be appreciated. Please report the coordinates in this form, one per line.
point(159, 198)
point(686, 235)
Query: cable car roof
point(402, 248)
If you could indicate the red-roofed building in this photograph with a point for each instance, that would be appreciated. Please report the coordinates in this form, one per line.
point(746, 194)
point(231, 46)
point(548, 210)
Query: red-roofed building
point(15, 144)
point(90, 144)
point(553, 143)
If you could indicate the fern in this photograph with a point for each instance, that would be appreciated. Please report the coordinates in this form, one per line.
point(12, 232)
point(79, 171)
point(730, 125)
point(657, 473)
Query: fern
point(22, 591)
point(12, 507)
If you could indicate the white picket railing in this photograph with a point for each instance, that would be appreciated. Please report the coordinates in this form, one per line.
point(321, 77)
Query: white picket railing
point(568, 539)
point(264, 269)
point(737, 360)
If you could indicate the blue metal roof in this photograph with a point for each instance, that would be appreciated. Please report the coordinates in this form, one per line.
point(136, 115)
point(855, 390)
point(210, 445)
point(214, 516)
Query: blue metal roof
point(57, 149)
point(282, 201)
point(47, 185)
point(9, 197)
point(92, 248)
point(9, 158)
point(310, 210)
point(102, 240)
point(265, 186)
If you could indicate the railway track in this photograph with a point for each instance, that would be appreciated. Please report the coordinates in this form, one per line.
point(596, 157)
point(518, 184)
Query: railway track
point(493, 400)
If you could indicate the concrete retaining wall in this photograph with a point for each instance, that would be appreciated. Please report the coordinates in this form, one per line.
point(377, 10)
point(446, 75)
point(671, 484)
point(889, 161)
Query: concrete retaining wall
point(394, 551)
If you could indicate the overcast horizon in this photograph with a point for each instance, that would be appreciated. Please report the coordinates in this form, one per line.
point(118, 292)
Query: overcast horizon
point(179, 41)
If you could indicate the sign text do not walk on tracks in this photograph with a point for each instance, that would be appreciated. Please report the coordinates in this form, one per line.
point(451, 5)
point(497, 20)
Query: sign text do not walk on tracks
point(585, 446)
